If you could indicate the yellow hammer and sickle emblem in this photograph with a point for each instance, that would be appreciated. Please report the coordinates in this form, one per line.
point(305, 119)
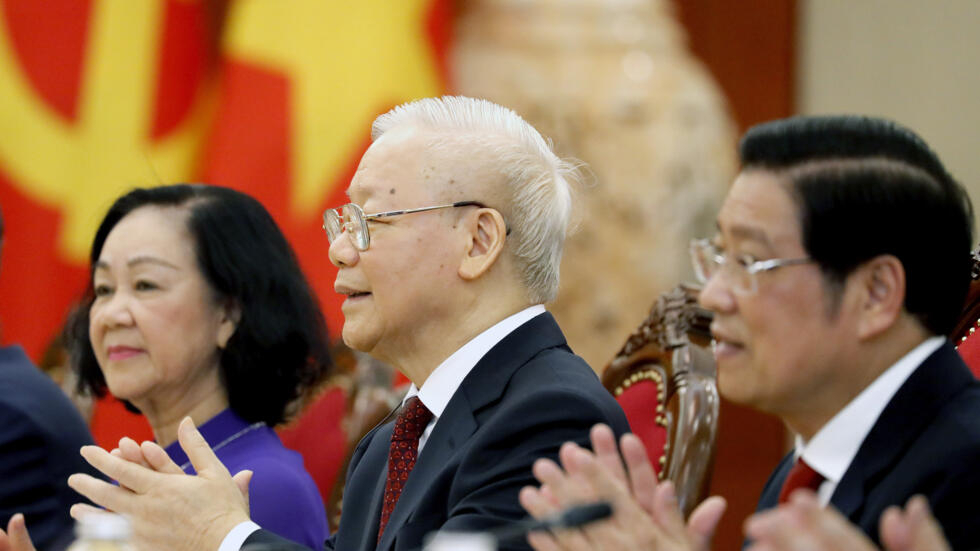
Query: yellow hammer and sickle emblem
point(78, 167)
point(345, 60)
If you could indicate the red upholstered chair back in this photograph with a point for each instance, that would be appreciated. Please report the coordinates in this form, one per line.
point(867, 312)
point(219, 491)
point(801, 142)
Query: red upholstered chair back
point(966, 334)
point(664, 378)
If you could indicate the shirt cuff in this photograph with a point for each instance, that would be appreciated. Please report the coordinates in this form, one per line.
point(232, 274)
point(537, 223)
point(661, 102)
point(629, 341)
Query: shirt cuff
point(236, 538)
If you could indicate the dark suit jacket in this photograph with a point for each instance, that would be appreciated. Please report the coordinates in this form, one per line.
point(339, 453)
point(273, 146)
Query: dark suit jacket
point(527, 396)
point(40, 434)
point(926, 441)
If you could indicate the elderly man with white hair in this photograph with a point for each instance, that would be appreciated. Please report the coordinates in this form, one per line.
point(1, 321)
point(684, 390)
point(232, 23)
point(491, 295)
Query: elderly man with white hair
point(446, 253)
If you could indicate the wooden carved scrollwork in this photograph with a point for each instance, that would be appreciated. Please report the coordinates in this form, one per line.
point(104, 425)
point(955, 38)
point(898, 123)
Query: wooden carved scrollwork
point(969, 322)
point(671, 348)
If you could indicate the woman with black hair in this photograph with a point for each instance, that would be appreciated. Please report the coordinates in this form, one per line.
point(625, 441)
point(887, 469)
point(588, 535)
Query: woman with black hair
point(197, 307)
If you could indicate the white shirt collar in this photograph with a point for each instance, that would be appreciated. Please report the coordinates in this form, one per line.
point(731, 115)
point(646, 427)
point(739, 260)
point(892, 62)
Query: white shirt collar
point(439, 388)
point(831, 451)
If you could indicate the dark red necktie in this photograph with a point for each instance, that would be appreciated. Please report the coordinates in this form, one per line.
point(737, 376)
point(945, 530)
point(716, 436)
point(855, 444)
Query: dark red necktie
point(409, 425)
point(800, 476)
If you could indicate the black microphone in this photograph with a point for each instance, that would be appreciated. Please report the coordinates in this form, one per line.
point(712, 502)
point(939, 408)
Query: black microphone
point(573, 517)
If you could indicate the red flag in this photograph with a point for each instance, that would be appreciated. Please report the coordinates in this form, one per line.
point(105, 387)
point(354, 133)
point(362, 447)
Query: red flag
point(96, 97)
point(99, 96)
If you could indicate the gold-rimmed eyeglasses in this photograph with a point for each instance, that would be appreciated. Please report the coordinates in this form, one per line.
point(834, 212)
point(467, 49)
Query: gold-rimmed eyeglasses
point(708, 260)
point(352, 219)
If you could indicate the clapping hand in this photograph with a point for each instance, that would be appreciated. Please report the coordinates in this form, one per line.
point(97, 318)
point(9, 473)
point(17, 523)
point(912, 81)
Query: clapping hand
point(645, 513)
point(803, 524)
point(167, 508)
point(16, 537)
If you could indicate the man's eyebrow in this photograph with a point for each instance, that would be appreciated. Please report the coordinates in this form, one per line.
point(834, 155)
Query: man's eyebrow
point(751, 233)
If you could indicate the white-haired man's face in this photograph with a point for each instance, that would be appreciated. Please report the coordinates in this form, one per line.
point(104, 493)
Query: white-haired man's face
point(400, 291)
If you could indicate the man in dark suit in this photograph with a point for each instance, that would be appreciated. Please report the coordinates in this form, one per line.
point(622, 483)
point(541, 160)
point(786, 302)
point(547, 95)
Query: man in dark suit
point(520, 402)
point(841, 261)
point(446, 254)
point(40, 433)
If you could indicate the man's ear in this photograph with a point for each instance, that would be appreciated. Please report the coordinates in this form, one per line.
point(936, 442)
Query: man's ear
point(232, 314)
point(487, 233)
point(881, 282)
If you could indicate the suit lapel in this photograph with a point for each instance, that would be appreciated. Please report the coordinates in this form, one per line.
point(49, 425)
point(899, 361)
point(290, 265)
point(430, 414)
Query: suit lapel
point(770, 493)
point(913, 407)
point(363, 535)
point(482, 387)
point(382, 442)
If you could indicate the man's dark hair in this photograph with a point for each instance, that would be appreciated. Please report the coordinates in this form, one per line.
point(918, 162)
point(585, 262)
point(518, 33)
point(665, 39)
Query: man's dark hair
point(866, 187)
point(279, 348)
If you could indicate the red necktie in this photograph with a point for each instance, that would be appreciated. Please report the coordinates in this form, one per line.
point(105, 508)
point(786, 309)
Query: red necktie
point(409, 425)
point(800, 476)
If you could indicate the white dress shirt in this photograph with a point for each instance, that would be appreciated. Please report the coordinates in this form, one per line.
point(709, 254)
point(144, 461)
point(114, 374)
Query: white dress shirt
point(435, 393)
point(831, 451)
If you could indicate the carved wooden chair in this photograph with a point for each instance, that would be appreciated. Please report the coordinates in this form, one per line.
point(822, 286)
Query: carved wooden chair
point(966, 335)
point(664, 378)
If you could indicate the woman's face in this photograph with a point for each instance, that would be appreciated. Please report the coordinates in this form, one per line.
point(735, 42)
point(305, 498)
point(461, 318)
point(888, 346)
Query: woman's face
point(156, 326)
